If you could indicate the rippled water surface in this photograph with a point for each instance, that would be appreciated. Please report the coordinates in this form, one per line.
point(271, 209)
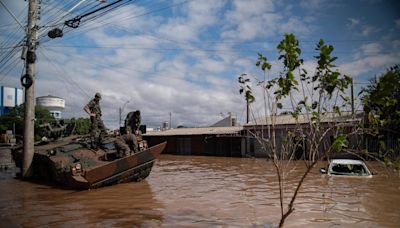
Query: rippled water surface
point(206, 192)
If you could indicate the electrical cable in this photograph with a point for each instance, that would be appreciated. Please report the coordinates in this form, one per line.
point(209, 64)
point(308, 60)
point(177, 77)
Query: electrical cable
point(11, 67)
point(130, 17)
point(63, 71)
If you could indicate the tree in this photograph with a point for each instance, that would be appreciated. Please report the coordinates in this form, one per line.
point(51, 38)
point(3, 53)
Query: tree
point(381, 100)
point(16, 116)
point(315, 98)
point(82, 125)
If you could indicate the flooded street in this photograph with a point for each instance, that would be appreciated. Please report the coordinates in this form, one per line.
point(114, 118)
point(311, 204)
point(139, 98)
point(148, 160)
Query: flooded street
point(206, 192)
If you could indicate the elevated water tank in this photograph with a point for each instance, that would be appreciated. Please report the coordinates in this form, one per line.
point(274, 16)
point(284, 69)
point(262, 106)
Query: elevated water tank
point(54, 104)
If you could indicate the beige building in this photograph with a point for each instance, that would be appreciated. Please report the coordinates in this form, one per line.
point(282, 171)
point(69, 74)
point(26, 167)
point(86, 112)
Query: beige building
point(283, 124)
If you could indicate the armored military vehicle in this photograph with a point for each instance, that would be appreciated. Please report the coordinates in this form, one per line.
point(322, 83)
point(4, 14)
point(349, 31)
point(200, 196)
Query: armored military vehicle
point(73, 162)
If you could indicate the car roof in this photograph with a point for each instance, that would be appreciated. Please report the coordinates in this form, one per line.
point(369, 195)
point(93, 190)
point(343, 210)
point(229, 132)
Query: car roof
point(347, 161)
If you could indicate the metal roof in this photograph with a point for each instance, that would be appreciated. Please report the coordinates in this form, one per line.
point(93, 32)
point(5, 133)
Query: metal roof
point(304, 118)
point(196, 131)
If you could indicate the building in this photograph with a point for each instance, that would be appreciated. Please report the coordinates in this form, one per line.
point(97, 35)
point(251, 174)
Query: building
point(10, 98)
point(283, 124)
point(213, 141)
point(54, 104)
point(229, 121)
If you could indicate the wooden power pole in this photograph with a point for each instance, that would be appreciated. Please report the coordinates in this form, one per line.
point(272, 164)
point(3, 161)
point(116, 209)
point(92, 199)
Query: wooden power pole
point(28, 81)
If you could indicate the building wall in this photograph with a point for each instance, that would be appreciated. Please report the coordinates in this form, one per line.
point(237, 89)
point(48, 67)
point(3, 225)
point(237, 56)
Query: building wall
point(229, 121)
point(281, 131)
point(10, 98)
point(199, 145)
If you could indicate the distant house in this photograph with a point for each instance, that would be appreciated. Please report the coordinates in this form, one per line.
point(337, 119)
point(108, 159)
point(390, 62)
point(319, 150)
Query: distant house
point(214, 141)
point(229, 121)
point(239, 141)
point(285, 123)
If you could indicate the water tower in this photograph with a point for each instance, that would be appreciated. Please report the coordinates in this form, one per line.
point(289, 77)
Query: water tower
point(54, 104)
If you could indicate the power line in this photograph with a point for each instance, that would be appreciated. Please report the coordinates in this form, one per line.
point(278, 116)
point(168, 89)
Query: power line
point(63, 72)
point(118, 20)
point(187, 49)
point(12, 15)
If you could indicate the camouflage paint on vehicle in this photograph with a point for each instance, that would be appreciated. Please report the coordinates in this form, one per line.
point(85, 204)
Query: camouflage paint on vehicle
point(72, 163)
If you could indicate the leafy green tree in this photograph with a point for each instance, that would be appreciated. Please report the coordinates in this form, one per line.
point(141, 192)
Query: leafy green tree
point(13, 119)
point(314, 96)
point(381, 100)
point(82, 125)
point(16, 119)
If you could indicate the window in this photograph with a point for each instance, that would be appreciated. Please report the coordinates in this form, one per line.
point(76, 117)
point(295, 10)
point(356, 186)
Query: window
point(349, 169)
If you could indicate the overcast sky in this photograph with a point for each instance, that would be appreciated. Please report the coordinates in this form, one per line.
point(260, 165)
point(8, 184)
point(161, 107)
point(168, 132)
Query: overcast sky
point(184, 57)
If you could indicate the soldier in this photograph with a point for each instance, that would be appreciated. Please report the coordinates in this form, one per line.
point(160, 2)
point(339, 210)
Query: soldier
point(133, 120)
point(94, 111)
point(126, 144)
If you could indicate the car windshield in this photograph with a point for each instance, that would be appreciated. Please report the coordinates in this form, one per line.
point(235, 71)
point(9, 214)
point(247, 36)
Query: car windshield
point(349, 169)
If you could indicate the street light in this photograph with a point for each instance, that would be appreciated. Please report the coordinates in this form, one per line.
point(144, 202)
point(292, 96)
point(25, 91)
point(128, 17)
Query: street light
point(120, 112)
point(244, 89)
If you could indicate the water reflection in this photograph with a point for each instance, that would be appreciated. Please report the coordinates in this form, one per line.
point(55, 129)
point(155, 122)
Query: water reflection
point(208, 191)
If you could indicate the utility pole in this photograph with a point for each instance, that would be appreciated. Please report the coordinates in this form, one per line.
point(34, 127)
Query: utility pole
point(352, 99)
point(120, 116)
point(28, 81)
point(121, 109)
point(170, 120)
point(247, 110)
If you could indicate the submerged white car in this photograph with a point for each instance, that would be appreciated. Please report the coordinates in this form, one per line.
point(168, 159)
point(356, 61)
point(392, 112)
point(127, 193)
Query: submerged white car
point(347, 167)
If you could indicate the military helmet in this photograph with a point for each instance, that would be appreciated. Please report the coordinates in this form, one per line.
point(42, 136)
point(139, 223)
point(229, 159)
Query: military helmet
point(98, 95)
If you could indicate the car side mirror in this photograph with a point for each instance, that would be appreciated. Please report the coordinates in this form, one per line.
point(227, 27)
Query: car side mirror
point(323, 170)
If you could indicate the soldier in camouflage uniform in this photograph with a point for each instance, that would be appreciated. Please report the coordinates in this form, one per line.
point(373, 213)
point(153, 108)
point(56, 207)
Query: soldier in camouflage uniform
point(94, 110)
point(126, 144)
point(133, 120)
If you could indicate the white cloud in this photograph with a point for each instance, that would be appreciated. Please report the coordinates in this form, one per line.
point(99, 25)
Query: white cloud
point(371, 48)
point(314, 4)
point(364, 65)
point(254, 19)
point(251, 19)
point(367, 30)
point(397, 23)
point(395, 44)
point(184, 60)
point(211, 65)
point(295, 25)
point(197, 16)
point(354, 22)
point(359, 26)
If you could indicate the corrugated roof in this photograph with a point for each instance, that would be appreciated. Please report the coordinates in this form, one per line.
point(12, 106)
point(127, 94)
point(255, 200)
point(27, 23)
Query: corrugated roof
point(303, 118)
point(196, 131)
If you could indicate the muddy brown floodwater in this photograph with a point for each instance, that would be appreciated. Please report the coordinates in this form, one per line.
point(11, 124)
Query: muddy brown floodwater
point(206, 192)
